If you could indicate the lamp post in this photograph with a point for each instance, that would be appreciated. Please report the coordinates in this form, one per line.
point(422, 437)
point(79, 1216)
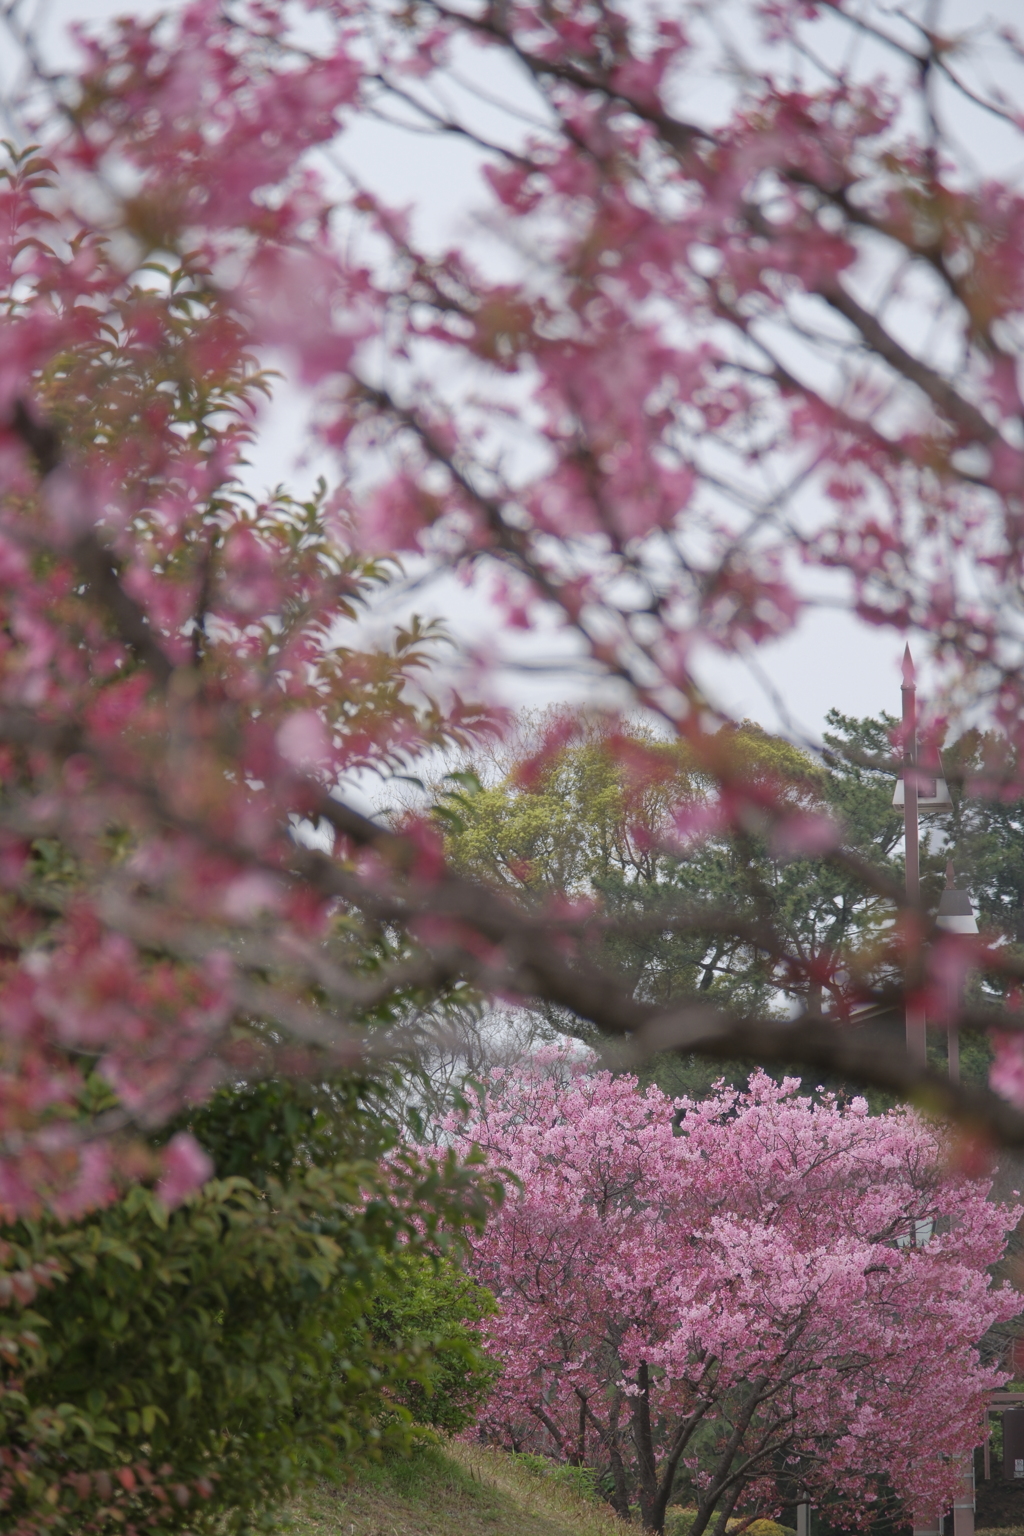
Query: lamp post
point(917, 1029)
point(956, 915)
point(916, 793)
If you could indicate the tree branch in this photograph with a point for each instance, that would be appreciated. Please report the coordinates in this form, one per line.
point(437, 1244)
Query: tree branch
point(94, 560)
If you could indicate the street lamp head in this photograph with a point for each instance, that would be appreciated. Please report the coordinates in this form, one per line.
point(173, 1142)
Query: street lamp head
point(933, 797)
point(956, 914)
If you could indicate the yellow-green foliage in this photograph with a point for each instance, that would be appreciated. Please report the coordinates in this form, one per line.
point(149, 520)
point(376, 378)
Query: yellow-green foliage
point(591, 810)
point(594, 819)
point(679, 1521)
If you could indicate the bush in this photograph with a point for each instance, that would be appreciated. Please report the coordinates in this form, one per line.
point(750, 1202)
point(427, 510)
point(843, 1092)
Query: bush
point(582, 1481)
point(188, 1368)
point(267, 1132)
point(679, 1521)
point(426, 1305)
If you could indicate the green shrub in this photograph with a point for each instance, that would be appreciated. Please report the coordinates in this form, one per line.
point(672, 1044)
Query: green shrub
point(268, 1131)
point(425, 1305)
point(190, 1368)
point(583, 1481)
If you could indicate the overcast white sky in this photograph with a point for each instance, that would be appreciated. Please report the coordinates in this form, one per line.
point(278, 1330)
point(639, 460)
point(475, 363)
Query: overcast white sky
point(831, 660)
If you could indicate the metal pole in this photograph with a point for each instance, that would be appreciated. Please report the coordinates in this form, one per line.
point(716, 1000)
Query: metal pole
point(925, 1522)
point(953, 1047)
point(917, 1032)
point(955, 915)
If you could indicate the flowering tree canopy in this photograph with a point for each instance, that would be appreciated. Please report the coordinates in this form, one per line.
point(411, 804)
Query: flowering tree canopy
point(736, 1292)
point(708, 353)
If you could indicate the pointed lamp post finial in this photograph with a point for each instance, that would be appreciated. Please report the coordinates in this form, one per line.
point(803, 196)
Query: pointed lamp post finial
point(909, 673)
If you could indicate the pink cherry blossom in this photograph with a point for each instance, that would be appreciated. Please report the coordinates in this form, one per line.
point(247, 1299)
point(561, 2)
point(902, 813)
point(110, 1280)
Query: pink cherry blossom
point(718, 356)
point(185, 1168)
point(671, 1273)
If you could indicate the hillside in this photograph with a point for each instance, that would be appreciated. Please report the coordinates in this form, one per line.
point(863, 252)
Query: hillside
point(467, 1490)
point(459, 1491)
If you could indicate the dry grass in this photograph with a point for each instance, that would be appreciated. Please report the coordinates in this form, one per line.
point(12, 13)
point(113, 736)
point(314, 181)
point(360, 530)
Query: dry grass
point(458, 1491)
point(538, 1496)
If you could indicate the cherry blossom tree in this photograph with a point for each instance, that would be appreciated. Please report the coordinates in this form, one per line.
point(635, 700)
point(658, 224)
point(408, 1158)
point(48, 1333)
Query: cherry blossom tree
point(716, 351)
point(734, 1295)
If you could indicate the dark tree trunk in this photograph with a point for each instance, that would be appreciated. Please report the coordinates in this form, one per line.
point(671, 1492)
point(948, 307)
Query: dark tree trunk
point(643, 1439)
point(721, 1480)
point(620, 1499)
point(581, 1443)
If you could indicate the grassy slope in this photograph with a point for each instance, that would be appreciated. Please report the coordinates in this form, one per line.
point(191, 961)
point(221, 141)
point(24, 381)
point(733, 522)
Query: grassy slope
point(459, 1491)
point(463, 1490)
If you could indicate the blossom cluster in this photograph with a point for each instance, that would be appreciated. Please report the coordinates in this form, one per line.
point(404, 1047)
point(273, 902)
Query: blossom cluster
point(695, 376)
point(738, 1288)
